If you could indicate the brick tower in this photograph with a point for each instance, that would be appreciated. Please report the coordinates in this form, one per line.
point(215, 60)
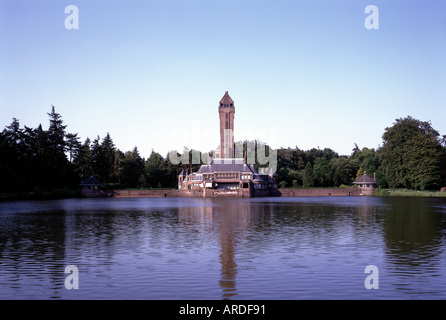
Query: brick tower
point(226, 111)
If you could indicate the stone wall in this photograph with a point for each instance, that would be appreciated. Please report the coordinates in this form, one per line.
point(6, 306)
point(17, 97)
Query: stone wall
point(145, 193)
point(211, 193)
point(318, 192)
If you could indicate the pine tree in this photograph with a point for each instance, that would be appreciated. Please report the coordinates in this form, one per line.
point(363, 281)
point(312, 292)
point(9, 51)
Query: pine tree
point(56, 134)
point(108, 155)
point(132, 168)
point(72, 145)
point(83, 161)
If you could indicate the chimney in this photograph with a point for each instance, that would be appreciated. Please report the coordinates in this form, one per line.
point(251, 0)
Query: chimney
point(374, 176)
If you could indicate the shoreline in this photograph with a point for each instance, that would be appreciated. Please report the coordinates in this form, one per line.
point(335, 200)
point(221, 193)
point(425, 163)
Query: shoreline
point(170, 193)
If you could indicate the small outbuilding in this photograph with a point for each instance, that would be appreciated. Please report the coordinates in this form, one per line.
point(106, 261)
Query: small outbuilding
point(91, 187)
point(91, 184)
point(365, 184)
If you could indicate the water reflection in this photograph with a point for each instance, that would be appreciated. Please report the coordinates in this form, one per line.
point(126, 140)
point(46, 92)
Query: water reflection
point(31, 248)
point(414, 237)
point(269, 248)
point(231, 221)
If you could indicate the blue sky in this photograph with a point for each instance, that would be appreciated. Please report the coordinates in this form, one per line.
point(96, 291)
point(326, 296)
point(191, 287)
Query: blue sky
point(151, 73)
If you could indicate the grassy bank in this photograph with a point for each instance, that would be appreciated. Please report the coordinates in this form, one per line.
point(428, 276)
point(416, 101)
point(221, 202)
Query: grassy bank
point(408, 193)
point(37, 194)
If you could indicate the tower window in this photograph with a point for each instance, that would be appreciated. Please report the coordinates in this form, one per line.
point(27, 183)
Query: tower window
point(226, 106)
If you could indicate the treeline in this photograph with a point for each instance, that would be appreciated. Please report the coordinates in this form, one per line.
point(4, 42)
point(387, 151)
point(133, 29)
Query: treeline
point(412, 156)
point(36, 159)
point(325, 168)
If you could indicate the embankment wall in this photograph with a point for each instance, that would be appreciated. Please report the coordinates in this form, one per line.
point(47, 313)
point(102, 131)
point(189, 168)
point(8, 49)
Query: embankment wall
point(318, 192)
point(198, 193)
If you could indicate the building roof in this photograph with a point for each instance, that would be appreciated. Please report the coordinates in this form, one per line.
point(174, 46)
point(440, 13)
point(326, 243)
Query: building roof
point(92, 181)
point(227, 165)
point(226, 99)
point(364, 179)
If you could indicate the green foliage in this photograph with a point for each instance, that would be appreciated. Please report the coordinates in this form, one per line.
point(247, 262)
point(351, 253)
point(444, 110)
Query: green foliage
point(360, 173)
point(132, 168)
point(308, 180)
point(156, 171)
point(31, 158)
point(380, 192)
point(343, 171)
point(322, 172)
point(83, 161)
point(410, 155)
point(282, 184)
point(295, 184)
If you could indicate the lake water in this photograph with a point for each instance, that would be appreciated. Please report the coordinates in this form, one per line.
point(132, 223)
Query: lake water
point(264, 248)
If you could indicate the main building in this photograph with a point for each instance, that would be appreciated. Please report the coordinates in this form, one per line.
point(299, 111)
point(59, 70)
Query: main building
point(226, 175)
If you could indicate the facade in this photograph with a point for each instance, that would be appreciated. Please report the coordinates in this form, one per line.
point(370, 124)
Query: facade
point(226, 175)
point(365, 185)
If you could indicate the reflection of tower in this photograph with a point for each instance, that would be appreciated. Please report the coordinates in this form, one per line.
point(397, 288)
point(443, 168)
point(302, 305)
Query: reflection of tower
point(228, 264)
point(230, 222)
point(226, 111)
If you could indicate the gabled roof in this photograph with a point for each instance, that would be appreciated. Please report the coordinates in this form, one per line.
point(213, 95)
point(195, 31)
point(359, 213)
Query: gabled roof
point(226, 99)
point(364, 179)
point(92, 181)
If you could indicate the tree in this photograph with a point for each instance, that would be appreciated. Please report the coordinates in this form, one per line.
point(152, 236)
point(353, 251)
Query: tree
point(83, 161)
point(410, 155)
point(58, 163)
point(359, 173)
point(118, 166)
point(308, 180)
point(342, 171)
point(108, 158)
point(443, 140)
point(10, 156)
point(156, 172)
point(132, 168)
point(56, 135)
point(72, 145)
point(443, 168)
point(322, 172)
point(173, 169)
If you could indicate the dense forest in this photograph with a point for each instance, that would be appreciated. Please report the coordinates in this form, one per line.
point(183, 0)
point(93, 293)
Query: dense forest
point(412, 156)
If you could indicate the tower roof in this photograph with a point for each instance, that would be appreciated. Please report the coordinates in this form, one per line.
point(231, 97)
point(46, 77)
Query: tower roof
point(226, 99)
